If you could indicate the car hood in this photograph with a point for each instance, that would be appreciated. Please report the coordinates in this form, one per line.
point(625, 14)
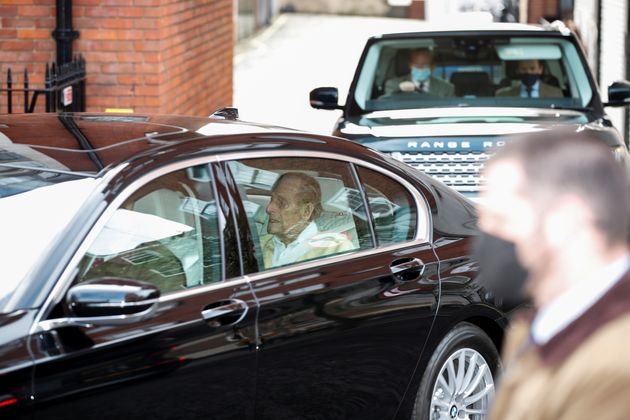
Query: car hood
point(444, 121)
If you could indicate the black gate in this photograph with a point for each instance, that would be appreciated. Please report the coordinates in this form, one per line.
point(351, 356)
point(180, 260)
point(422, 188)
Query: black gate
point(64, 89)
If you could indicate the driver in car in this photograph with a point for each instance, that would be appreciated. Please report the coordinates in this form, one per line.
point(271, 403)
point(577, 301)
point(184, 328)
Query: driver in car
point(292, 234)
point(420, 79)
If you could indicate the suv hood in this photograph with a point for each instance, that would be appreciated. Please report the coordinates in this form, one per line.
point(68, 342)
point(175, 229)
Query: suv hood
point(460, 121)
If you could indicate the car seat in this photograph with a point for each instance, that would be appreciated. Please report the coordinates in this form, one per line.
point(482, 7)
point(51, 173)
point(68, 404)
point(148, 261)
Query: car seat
point(475, 83)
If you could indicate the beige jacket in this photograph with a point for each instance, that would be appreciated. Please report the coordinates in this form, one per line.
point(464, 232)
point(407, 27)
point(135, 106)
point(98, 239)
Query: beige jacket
point(317, 246)
point(581, 373)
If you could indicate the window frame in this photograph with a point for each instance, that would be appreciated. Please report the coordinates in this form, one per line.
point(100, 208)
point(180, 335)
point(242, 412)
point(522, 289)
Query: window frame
point(67, 277)
point(423, 214)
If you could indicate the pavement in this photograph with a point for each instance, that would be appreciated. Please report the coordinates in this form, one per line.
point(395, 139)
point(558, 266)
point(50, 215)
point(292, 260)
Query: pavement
point(275, 70)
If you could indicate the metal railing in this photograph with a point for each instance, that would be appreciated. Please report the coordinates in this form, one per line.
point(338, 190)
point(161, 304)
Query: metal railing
point(64, 89)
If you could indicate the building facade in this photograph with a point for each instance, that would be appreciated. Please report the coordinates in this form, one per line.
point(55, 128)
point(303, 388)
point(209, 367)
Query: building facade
point(142, 55)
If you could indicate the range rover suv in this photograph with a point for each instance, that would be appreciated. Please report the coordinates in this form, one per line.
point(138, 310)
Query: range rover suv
point(484, 85)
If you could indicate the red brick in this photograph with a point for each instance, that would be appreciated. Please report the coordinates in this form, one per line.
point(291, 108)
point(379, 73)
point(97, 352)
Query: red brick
point(16, 45)
point(17, 1)
point(8, 33)
point(117, 68)
point(98, 11)
point(129, 57)
point(8, 11)
point(116, 23)
point(33, 33)
point(34, 11)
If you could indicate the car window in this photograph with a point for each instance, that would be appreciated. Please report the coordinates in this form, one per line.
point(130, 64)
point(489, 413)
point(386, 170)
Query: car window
point(301, 209)
point(392, 208)
point(165, 233)
point(514, 71)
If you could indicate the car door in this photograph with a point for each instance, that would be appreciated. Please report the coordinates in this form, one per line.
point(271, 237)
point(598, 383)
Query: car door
point(342, 330)
point(193, 354)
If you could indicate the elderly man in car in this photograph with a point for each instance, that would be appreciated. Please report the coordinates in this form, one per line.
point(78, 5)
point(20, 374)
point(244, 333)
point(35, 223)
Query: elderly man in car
point(293, 235)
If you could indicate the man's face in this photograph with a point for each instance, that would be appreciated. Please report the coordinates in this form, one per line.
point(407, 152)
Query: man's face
point(286, 215)
point(421, 60)
point(530, 67)
point(506, 212)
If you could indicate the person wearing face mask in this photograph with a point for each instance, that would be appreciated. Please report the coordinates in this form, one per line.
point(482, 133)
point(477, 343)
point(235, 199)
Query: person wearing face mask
point(292, 234)
point(555, 211)
point(531, 85)
point(420, 79)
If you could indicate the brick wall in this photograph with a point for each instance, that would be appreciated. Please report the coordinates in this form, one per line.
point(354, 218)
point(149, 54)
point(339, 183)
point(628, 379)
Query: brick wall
point(25, 42)
point(146, 55)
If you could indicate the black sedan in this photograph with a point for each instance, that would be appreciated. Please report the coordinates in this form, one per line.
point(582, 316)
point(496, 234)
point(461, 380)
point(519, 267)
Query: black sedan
point(182, 267)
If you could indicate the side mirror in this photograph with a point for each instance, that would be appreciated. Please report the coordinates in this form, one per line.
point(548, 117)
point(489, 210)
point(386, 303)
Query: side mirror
point(325, 98)
point(619, 94)
point(106, 301)
point(110, 297)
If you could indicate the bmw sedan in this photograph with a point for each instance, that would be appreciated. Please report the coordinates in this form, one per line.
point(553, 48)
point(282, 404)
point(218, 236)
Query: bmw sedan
point(169, 267)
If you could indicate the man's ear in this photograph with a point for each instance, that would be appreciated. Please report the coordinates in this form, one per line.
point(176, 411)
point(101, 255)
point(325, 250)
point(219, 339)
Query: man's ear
point(307, 210)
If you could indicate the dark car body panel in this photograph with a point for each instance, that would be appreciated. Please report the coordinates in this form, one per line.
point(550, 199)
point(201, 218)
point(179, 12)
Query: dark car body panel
point(339, 339)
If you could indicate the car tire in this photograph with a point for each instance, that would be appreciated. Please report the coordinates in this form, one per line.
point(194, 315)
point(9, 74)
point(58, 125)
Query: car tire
point(448, 392)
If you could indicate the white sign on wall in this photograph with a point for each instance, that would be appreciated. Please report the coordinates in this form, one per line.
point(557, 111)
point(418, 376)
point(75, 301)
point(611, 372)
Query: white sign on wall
point(66, 96)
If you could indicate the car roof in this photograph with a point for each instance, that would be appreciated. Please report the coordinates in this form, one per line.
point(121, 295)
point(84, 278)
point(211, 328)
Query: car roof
point(77, 142)
point(90, 143)
point(479, 28)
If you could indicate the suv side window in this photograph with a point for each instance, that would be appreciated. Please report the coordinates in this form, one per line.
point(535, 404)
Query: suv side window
point(165, 233)
point(392, 207)
point(301, 209)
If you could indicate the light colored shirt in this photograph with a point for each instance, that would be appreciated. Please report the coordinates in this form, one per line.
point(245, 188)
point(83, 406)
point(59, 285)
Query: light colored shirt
point(535, 90)
point(287, 254)
point(425, 85)
point(570, 305)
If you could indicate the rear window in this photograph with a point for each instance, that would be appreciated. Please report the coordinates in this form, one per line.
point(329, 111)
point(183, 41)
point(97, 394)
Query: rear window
point(472, 71)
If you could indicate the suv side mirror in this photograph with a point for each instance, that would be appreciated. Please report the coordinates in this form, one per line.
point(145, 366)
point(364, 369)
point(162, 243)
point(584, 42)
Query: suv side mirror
point(619, 94)
point(325, 98)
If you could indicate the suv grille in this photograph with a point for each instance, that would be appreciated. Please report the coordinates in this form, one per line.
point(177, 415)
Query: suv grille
point(458, 170)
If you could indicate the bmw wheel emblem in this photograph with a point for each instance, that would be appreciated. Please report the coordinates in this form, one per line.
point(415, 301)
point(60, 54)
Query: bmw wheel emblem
point(453, 412)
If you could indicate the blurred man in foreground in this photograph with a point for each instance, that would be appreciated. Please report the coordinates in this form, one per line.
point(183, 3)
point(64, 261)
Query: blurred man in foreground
point(559, 202)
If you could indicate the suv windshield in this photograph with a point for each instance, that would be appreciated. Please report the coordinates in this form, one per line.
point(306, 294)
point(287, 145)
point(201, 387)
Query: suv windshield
point(460, 71)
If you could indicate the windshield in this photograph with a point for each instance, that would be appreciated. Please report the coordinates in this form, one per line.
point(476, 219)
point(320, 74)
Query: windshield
point(541, 72)
point(35, 206)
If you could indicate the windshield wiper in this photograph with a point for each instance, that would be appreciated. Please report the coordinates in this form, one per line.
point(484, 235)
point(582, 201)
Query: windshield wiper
point(572, 108)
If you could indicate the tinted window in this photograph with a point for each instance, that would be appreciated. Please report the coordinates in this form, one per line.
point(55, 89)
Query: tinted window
point(165, 233)
point(301, 209)
point(392, 207)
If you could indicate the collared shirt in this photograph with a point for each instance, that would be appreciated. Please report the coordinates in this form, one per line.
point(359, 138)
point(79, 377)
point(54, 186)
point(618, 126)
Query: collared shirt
point(535, 90)
point(567, 307)
point(287, 254)
point(425, 84)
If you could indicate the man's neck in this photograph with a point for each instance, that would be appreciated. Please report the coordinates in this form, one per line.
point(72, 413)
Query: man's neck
point(568, 270)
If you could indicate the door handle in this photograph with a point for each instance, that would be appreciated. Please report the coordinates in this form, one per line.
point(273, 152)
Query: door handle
point(225, 312)
point(407, 269)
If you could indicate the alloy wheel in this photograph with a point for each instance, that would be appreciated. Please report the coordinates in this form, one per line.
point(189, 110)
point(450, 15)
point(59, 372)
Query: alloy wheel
point(463, 388)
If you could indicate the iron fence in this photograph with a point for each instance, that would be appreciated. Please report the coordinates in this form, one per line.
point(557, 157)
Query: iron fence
point(64, 89)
